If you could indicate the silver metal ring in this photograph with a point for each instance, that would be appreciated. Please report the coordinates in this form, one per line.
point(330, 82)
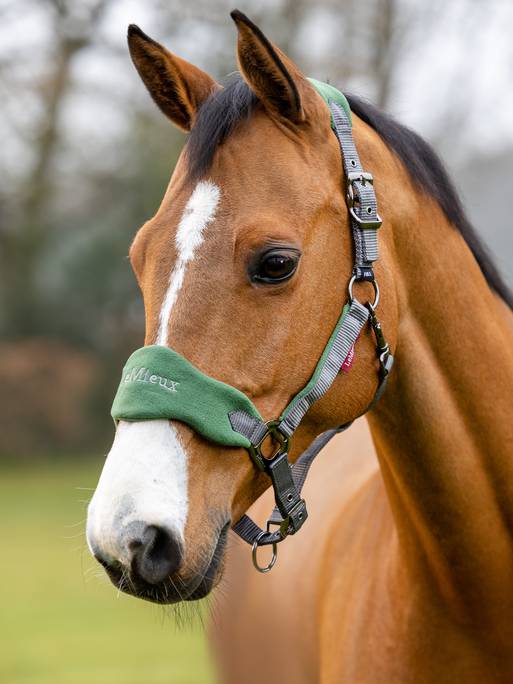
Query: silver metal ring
point(265, 568)
point(374, 284)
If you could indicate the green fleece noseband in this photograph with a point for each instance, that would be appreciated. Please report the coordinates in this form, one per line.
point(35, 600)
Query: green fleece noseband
point(157, 382)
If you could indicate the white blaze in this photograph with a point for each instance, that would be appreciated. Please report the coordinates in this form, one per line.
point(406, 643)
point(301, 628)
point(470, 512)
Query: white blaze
point(144, 478)
point(199, 212)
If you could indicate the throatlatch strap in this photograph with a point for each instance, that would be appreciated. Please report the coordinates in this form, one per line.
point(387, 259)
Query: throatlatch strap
point(361, 197)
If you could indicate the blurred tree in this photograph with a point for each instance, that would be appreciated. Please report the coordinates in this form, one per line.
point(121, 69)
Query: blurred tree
point(67, 221)
point(21, 248)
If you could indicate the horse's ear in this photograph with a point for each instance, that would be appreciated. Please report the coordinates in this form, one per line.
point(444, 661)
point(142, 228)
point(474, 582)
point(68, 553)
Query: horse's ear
point(272, 76)
point(178, 87)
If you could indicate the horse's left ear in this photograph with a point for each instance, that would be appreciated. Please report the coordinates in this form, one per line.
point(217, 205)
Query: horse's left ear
point(272, 76)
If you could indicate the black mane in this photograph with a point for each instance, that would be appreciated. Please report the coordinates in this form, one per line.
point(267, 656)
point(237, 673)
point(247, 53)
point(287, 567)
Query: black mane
point(224, 110)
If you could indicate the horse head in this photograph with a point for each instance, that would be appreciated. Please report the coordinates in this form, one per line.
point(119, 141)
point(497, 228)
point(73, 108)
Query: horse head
point(244, 272)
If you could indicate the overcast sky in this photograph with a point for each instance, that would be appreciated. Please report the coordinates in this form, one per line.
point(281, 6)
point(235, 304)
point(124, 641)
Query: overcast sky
point(439, 63)
point(446, 61)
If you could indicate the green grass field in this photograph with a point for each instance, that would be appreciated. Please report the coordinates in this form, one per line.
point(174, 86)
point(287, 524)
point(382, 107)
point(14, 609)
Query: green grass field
point(61, 622)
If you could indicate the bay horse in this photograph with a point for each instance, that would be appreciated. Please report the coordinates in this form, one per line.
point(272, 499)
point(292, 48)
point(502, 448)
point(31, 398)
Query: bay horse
point(408, 574)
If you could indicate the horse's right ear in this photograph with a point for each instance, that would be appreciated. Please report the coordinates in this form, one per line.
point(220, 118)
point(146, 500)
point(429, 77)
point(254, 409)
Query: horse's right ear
point(178, 87)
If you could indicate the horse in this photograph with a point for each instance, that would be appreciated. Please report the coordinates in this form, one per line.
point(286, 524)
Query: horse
point(407, 574)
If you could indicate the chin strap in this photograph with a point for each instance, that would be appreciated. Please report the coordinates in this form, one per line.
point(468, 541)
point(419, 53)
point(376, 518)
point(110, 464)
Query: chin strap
point(287, 480)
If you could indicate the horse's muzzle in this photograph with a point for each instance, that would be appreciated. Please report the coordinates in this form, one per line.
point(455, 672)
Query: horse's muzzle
point(155, 561)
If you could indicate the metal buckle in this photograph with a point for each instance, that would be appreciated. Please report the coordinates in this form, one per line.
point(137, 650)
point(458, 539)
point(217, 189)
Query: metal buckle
point(283, 525)
point(286, 522)
point(354, 177)
point(386, 359)
point(264, 568)
point(259, 459)
point(362, 177)
point(375, 286)
point(366, 224)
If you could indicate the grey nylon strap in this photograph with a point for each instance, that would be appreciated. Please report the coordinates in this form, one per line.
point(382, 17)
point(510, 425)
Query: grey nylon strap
point(347, 335)
point(365, 207)
point(254, 429)
point(247, 425)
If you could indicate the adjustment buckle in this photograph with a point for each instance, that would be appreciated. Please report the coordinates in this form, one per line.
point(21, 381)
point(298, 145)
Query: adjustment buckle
point(282, 446)
point(366, 224)
point(360, 177)
point(355, 177)
point(294, 520)
point(386, 359)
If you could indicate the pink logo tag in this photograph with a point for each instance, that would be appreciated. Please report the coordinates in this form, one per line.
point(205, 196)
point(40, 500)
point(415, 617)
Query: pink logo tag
point(348, 361)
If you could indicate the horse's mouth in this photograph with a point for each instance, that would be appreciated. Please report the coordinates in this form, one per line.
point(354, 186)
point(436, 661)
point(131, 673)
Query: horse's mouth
point(173, 589)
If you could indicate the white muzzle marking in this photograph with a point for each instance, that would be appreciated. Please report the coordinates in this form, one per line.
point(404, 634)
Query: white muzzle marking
point(144, 480)
point(145, 475)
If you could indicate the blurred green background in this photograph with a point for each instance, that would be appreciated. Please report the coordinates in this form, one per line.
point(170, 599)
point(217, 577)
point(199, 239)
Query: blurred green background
point(85, 158)
point(61, 621)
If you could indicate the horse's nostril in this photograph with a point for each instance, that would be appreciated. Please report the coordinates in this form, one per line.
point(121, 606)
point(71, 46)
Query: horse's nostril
point(155, 555)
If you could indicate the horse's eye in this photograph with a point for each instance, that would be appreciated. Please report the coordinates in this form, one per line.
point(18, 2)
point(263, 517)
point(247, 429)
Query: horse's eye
point(275, 266)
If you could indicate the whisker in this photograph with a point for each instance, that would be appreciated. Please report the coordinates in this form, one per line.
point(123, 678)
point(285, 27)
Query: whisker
point(80, 522)
point(74, 536)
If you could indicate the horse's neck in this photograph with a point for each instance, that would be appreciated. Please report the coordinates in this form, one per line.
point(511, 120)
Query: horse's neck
point(444, 429)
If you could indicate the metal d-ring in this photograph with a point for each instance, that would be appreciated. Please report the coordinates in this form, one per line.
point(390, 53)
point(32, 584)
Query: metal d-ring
point(374, 285)
point(265, 568)
point(273, 430)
